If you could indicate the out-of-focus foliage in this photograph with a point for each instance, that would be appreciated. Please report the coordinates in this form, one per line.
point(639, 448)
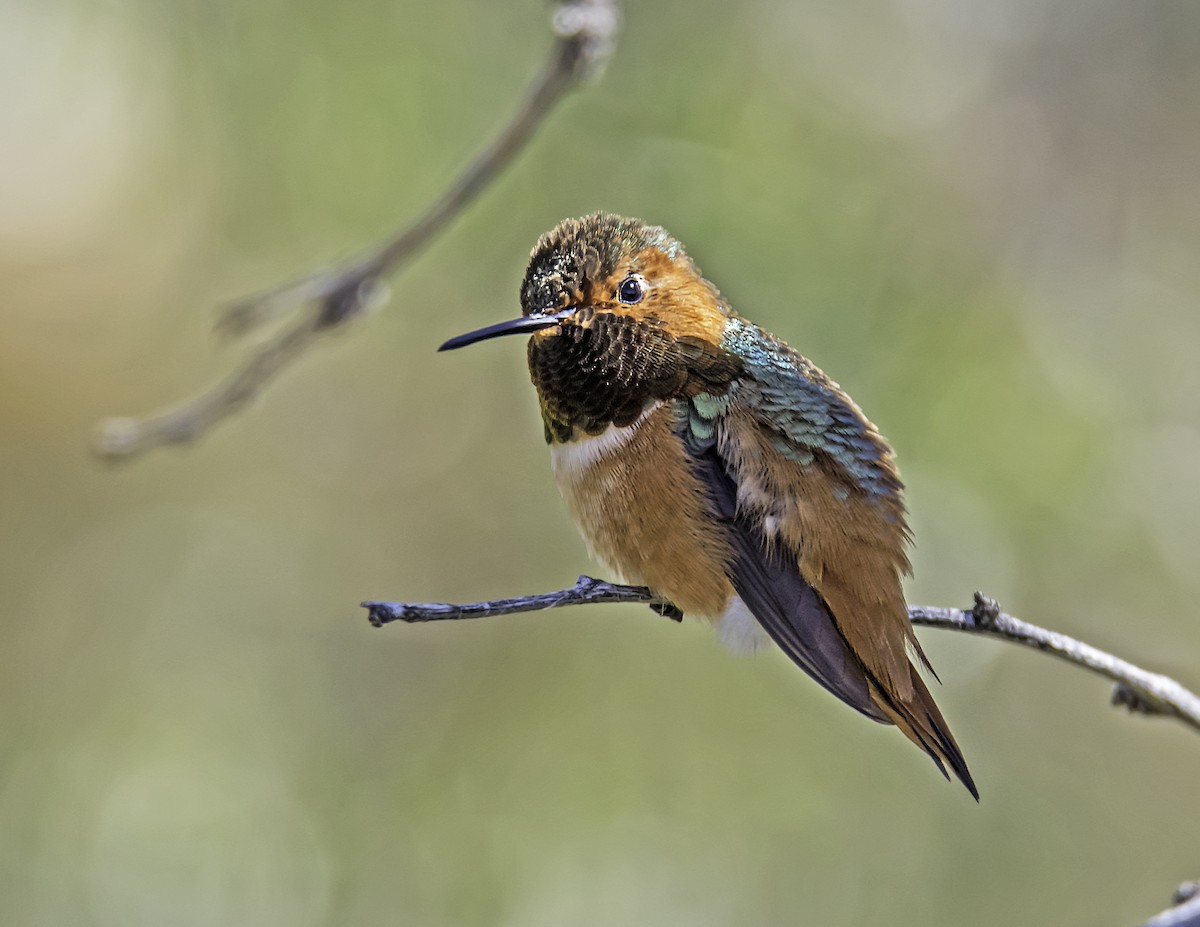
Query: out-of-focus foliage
point(980, 217)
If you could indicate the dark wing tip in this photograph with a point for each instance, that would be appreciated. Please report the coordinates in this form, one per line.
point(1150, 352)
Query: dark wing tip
point(920, 720)
point(932, 734)
point(953, 755)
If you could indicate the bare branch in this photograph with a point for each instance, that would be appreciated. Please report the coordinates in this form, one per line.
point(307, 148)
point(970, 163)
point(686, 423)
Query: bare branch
point(124, 437)
point(586, 591)
point(586, 34)
point(1136, 689)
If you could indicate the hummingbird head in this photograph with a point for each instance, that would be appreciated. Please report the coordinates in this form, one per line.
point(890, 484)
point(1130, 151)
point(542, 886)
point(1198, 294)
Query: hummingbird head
point(621, 318)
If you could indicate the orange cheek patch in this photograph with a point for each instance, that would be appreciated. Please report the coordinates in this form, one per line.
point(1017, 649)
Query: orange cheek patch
point(687, 304)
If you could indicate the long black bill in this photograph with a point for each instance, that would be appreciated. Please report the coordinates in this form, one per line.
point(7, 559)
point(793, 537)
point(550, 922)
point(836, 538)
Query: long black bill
point(523, 325)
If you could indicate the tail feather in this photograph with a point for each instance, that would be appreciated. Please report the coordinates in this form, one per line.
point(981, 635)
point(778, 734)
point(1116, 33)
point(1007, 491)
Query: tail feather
point(798, 618)
point(921, 721)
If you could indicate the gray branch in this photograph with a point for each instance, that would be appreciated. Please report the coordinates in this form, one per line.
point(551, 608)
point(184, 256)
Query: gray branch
point(1136, 689)
point(586, 35)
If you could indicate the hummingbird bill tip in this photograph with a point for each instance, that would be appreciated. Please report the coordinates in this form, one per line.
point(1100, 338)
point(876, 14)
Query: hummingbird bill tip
point(526, 324)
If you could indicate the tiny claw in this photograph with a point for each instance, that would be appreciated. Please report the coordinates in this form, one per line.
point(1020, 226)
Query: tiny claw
point(667, 610)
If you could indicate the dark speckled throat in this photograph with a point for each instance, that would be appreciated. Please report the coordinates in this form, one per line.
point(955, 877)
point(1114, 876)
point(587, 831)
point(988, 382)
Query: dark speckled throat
point(598, 367)
point(606, 368)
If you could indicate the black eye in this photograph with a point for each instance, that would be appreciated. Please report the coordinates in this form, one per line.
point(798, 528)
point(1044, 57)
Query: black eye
point(631, 290)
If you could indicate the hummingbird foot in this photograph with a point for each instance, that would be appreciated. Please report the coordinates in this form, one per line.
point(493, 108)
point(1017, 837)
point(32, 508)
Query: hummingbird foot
point(667, 609)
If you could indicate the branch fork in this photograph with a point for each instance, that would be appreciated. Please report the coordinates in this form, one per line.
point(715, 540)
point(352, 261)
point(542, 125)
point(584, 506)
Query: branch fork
point(585, 34)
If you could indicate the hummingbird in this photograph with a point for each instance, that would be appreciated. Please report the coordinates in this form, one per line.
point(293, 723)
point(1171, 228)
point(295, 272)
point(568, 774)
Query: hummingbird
point(704, 458)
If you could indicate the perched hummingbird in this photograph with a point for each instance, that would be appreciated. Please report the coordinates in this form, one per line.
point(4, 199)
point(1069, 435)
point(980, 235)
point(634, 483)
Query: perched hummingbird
point(704, 458)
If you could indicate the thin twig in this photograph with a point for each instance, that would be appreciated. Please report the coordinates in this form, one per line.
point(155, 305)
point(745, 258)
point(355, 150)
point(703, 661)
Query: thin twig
point(586, 32)
point(586, 591)
point(1136, 689)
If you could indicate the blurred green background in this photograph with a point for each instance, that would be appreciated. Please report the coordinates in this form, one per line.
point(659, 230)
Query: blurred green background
point(981, 218)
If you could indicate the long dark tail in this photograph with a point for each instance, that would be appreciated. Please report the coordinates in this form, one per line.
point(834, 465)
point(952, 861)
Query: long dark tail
point(797, 618)
point(921, 721)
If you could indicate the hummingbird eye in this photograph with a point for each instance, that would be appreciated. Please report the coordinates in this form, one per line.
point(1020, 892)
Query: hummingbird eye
point(632, 289)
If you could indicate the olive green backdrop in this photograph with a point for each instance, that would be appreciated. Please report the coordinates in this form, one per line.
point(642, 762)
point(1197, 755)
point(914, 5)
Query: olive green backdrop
point(980, 218)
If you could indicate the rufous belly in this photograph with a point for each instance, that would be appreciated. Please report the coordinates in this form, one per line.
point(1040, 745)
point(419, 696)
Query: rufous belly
point(644, 514)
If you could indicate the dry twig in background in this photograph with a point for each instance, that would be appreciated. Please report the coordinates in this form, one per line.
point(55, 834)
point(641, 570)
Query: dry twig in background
point(586, 33)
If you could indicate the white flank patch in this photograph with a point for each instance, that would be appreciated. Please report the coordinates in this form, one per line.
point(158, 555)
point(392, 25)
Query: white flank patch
point(577, 457)
point(739, 630)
